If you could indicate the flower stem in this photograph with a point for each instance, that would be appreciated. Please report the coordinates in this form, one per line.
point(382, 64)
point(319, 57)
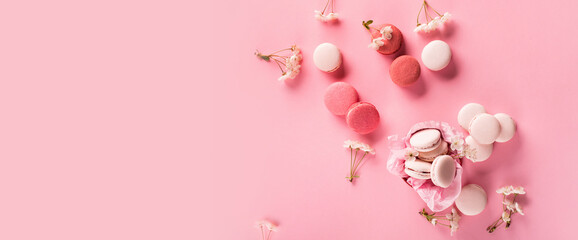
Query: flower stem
point(327, 4)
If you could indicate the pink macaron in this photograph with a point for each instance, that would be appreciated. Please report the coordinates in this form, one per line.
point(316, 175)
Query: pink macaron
point(485, 128)
point(339, 97)
point(443, 171)
point(425, 140)
point(404, 70)
point(362, 117)
point(390, 46)
point(472, 200)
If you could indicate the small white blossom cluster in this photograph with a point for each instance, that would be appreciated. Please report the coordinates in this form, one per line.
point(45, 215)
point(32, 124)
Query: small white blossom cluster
point(292, 64)
point(453, 219)
point(266, 226)
point(510, 206)
point(462, 149)
point(355, 162)
point(386, 34)
point(357, 145)
point(433, 24)
point(410, 154)
point(329, 17)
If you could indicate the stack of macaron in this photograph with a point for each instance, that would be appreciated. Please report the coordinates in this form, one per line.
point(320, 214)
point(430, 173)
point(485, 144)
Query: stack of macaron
point(484, 129)
point(342, 99)
point(405, 70)
point(432, 161)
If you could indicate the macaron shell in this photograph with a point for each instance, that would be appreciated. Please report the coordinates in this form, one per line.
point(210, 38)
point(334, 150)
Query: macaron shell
point(425, 140)
point(468, 112)
point(436, 55)
point(508, 127)
point(482, 151)
point(443, 171)
point(485, 128)
point(472, 200)
point(327, 57)
point(404, 70)
point(362, 117)
point(418, 169)
point(390, 46)
point(442, 149)
point(339, 97)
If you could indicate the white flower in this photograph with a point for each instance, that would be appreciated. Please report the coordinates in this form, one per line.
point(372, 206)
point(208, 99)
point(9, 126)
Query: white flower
point(434, 221)
point(419, 27)
point(270, 226)
point(433, 25)
point(457, 143)
point(410, 154)
point(319, 16)
point(292, 65)
point(446, 17)
point(470, 152)
point(506, 190)
point(518, 190)
point(331, 17)
point(454, 219)
point(506, 216)
point(325, 18)
point(509, 205)
point(376, 43)
point(359, 145)
point(518, 208)
point(386, 32)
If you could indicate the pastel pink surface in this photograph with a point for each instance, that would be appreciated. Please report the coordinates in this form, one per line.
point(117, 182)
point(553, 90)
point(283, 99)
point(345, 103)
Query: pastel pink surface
point(339, 96)
point(362, 117)
point(404, 70)
point(390, 46)
point(137, 120)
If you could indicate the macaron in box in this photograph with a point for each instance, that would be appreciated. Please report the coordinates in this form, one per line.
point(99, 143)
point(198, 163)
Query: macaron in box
point(441, 192)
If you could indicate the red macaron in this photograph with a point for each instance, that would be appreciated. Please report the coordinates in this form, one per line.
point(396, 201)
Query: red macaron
point(404, 70)
point(362, 117)
point(392, 45)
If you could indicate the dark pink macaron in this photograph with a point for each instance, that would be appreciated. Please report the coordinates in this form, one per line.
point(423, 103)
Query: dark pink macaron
point(404, 70)
point(392, 45)
point(339, 96)
point(362, 117)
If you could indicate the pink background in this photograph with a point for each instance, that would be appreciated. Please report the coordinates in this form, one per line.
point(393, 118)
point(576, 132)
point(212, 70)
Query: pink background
point(153, 119)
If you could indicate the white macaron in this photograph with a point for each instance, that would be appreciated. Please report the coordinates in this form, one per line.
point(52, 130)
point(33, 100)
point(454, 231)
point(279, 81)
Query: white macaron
point(436, 55)
point(327, 57)
point(472, 200)
point(478, 152)
point(508, 127)
point(468, 112)
point(485, 128)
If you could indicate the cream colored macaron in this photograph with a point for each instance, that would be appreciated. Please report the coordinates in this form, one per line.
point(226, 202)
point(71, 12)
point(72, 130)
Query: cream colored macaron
point(478, 152)
point(508, 127)
point(327, 57)
point(472, 200)
point(436, 55)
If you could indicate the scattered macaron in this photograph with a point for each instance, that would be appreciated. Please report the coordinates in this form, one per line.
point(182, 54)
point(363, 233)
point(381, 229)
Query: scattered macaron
point(339, 97)
point(436, 55)
point(362, 117)
point(468, 112)
point(508, 127)
point(443, 171)
point(485, 128)
point(391, 43)
point(418, 169)
point(481, 152)
point(472, 200)
point(404, 70)
point(327, 57)
point(425, 140)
